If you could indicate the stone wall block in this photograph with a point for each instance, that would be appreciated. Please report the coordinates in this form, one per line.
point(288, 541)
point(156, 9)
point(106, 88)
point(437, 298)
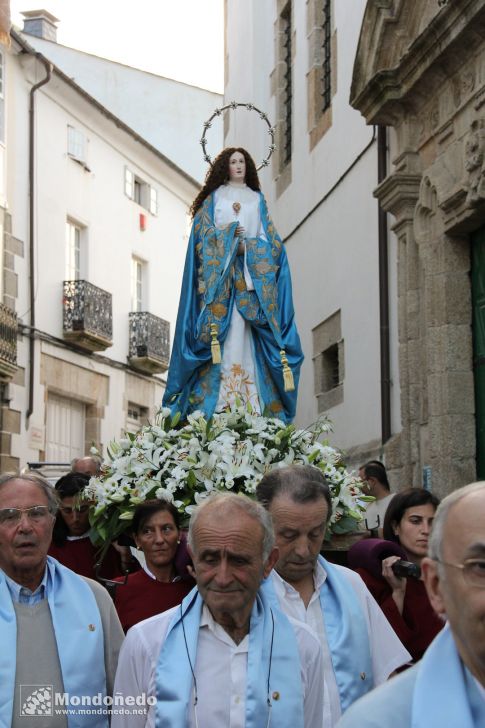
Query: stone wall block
point(458, 347)
point(19, 377)
point(414, 402)
point(459, 393)
point(11, 420)
point(413, 262)
point(435, 349)
point(414, 361)
point(412, 311)
point(460, 436)
point(457, 298)
point(435, 395)
point(393, 452)
point(415, 441)
point(93, 431)
point(439, 476)
point(460, 472)
point(434, 300)
point(5, 442)
point(10, 283)
point(455, 254)
point(436, 437)
point(402, 318)
point(9, 464)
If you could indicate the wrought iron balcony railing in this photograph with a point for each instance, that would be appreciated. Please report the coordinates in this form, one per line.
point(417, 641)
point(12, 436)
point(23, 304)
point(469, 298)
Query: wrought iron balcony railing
point(149, 342)
point(8, 342)
point(88, 315)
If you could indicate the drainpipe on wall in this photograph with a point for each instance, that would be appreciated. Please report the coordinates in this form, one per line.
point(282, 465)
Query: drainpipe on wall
point(384, 292)
point(46, 79)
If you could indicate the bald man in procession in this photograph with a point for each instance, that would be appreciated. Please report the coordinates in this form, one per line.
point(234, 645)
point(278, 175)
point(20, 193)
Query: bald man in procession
point(446, 689)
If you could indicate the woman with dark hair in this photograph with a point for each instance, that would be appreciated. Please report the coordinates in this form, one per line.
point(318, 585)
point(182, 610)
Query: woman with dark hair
point(71, 544)
point(235, 339)
point(404, 601)
point(164, 581)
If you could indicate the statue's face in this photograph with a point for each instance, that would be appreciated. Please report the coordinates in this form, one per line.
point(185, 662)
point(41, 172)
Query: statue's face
point(237, 167)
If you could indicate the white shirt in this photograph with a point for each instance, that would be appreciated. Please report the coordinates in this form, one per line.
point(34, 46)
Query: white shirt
point(374, 509)
point(220, 671)
point(387, 652)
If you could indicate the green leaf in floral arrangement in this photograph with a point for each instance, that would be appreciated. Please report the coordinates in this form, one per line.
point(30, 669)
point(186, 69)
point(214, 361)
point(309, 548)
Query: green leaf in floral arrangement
point(175, 420)
point(191, 479)
point(345, 525)
point(101, 531)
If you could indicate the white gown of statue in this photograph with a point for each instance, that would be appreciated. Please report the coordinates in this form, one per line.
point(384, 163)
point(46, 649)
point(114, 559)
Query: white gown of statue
point(238, 371)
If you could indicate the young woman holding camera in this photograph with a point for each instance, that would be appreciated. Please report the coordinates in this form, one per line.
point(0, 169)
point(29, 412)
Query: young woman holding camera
point(404, 600)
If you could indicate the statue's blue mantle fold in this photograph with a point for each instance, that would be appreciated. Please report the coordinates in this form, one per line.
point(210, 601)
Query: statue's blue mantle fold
point(213, 283)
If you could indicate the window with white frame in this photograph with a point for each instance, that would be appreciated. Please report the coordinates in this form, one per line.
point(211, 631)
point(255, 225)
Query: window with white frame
point(138, 272)
point(129, 184)
point(137, 416)
point(328, 362)
point(74, 245)
point(153, 201)
point(65, 428)
point(76, 144)
point(141, 192)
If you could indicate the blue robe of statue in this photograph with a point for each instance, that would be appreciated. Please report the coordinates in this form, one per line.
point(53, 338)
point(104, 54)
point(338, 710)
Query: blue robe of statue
point(213, 283)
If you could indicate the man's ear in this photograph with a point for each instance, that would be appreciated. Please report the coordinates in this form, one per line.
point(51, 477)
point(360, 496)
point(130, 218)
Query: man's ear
point(433, 583)
point(271, 561)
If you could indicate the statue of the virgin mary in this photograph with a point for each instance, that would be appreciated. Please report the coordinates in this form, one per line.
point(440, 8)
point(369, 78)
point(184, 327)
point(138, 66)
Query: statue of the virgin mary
point(235, 340)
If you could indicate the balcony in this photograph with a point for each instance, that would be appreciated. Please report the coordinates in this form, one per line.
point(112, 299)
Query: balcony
point(8, 343)
point(149, 342)
point(88, 315)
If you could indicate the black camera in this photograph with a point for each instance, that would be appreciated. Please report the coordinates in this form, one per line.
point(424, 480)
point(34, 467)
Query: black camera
point(406, 568)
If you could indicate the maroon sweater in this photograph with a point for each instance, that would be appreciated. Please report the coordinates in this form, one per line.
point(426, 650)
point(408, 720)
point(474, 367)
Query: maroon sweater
point(142, 597)
point(418, 624)
point(81, 556)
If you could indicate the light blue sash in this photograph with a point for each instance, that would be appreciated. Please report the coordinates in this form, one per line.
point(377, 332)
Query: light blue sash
point(445, 693)
point(346, 632)
point(274, 654)
point(79, 635)
point(347, 636)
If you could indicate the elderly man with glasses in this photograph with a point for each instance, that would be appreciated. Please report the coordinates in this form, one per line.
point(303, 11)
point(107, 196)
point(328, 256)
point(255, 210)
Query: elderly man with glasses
point(59, 632)
point(447, 687)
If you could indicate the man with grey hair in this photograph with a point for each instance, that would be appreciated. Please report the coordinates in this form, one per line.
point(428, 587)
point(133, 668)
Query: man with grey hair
point(224, 657)
point(59, 632)
point(89, 465)
point(360, 650)
point(447, 687)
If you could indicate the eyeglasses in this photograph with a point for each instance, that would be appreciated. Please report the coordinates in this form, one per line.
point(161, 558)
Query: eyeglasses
point(473, 571)
point(12, 516)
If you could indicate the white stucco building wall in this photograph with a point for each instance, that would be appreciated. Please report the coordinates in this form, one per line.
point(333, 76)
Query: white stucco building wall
point(324, 209)
point(167, 113)
point(102, 387)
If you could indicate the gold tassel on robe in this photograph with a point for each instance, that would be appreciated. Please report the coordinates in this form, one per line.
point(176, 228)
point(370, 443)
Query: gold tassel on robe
point(215, 346)
point(288, 380)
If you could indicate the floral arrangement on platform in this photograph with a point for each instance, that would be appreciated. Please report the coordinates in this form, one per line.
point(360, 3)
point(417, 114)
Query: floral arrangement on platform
point(231, 450)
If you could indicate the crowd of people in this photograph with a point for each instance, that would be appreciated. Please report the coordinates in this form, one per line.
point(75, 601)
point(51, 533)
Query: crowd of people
point(242, 621)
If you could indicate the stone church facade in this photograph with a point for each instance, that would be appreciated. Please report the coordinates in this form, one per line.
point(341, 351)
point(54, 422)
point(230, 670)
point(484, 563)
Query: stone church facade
point(420, 69)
